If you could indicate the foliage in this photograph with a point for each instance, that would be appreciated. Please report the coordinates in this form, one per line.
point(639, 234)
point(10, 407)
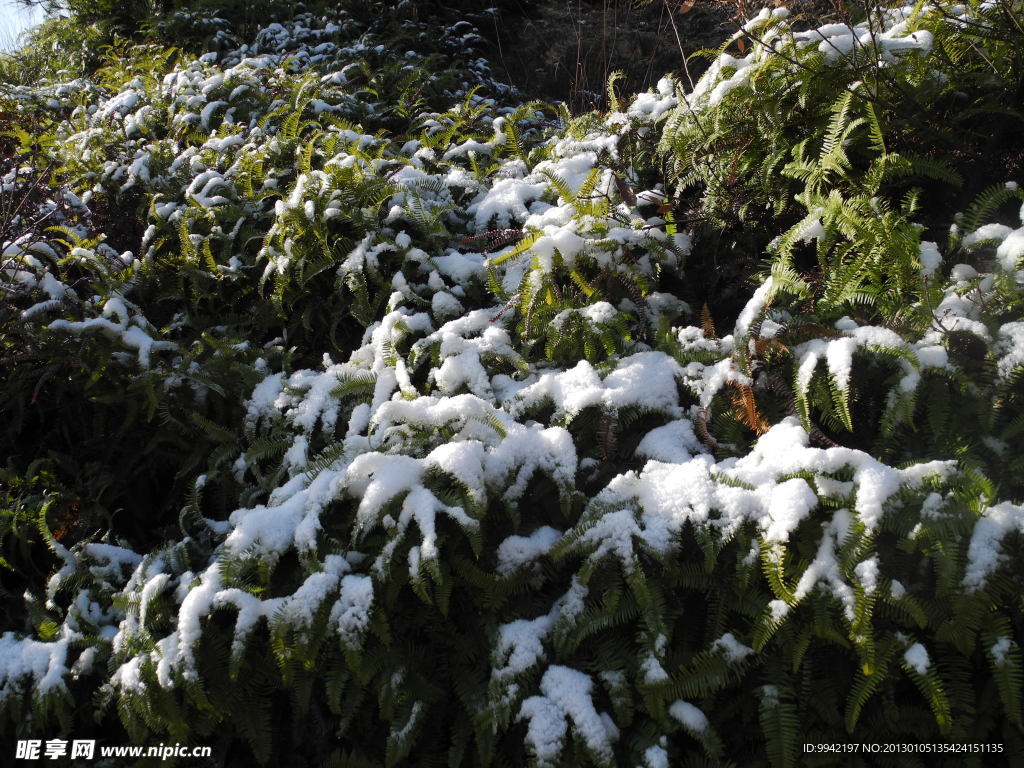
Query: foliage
point(355, 417)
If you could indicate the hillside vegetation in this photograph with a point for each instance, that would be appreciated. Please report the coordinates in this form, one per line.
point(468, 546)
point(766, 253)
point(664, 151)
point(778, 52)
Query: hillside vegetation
point(357, 412)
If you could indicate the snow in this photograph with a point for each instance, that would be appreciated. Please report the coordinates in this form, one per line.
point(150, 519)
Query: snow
point(656, 757)
point(42, 662)
point(733, 650)
point(653, 672)
point(128, 676)
point(1000, 650)
point(673, 443)
point(1010, 349)
point(444, 304)
point(867, 573)
point(297, 455)
point(127, 330)
point(753, 309)
point(778, 610)
point(985, 233)
point(474, 146)
point(110, 562)
point(526, 450)
point(839, 358)
point(566, 694)
point(350, 614)
point(983, 551)
point(299, 609)
point(825, 571)
point(84, 663)
point(646, 378)
point(652, 106)
point(505, 202)
point(517, 551)
point(440, 392)
point(814, 230)
point(653, 505)
point(546, 730)
point(789, 503)
point(690, 716)
point(519, 646)
point(840, 40)
point(916, 657)
point(153, 588)
point(463, 460)
point(558, 238)
point(930, 258)
point(272, 529)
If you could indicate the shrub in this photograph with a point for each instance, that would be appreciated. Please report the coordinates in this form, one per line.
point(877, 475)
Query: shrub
point(371, 425)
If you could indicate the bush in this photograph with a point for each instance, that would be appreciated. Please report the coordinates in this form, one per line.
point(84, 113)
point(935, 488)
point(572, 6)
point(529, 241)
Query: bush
point(367, 420)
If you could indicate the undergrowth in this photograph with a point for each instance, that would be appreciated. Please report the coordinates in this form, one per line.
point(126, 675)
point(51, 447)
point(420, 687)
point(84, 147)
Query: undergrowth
point(356, 414)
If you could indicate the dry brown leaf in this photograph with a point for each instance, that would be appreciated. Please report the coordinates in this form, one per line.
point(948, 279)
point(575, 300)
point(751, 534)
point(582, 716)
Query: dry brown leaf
point(745, 407)
point(707, 324)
